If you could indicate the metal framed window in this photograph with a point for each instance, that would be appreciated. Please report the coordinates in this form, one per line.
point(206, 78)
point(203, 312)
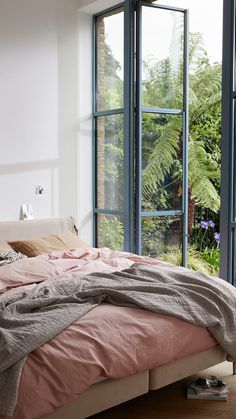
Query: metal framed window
point(132, 213)
point(169, 217)
point(108, 120)
point(110, 216)
point(122, 201)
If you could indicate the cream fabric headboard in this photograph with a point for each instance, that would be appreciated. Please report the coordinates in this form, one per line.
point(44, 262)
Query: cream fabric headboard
point(29, 229)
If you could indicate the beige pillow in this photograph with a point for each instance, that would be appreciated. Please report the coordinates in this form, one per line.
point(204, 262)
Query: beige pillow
point(62, 241)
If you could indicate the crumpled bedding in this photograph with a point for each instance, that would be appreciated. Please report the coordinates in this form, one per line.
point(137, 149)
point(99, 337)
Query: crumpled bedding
point(56, 392)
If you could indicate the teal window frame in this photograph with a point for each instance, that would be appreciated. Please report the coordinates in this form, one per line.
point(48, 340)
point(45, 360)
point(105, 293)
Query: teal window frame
point(132, 213)
point(228, 166)
point(132, 111)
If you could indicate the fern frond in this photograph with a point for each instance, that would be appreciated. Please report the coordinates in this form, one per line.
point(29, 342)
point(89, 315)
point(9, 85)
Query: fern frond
point(201, 173)
point(162, 157)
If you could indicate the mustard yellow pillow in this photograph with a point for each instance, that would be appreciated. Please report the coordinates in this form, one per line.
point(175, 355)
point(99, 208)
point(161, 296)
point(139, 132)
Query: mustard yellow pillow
point(61, 241)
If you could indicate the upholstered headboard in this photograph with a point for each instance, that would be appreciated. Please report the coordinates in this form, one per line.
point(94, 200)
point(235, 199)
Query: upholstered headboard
point(29, 229)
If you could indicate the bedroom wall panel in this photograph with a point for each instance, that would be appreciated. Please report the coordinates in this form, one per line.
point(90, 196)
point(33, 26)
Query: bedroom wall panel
point(84, 152)
point(38, 106)
point(86, 9)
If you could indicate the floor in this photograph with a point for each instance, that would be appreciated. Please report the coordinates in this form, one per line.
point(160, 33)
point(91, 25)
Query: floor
point(171, 403)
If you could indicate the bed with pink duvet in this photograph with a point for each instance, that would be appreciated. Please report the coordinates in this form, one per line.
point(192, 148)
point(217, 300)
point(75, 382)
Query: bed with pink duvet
point(109, 355)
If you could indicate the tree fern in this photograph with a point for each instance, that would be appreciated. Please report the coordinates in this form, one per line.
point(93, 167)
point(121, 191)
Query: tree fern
point(165, 149)
point(162, 144)
point(202, 170)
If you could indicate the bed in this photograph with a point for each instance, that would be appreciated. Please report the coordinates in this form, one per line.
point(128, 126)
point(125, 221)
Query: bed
point(104, 389)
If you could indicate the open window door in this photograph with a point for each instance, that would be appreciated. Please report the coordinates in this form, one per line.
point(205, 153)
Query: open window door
point(161, 129)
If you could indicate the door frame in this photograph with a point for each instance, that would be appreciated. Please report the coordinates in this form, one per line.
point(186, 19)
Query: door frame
point(227, 217)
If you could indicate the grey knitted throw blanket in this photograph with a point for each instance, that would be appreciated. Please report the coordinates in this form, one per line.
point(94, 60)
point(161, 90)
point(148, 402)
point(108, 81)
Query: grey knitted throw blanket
point(29, 320)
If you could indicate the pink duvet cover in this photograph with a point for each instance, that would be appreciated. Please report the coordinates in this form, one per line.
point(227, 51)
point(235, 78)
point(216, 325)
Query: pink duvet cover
point(108, 341)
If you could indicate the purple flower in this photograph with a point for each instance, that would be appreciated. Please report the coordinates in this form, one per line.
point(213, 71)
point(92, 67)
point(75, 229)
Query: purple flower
point(211, 224)
point(217, 237)
point(204, 225)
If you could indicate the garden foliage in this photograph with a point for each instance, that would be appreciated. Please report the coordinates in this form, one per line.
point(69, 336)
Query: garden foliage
point(162, 160)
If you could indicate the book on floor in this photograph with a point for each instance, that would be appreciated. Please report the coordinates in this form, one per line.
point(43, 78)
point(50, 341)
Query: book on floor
point(200, 390)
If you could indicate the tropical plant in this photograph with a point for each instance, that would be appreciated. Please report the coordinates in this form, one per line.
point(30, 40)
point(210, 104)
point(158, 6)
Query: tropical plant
point(161, 165)
point(203, 171)
point(206, 262)
point(162, 153)
point(164, 149)
point(111, 233)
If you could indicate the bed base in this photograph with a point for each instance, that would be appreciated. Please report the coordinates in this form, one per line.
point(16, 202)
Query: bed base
point(109, 393)
point(184, 367)
point(102, 396)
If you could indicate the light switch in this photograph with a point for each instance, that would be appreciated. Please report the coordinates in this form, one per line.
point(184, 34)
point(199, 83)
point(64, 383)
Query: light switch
point(39, 192)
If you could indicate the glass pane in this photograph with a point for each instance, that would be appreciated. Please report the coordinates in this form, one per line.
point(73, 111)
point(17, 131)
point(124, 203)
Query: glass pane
point(162, 238)
point(110, 232)
point(110, 162)
point(110, 60)
point(205, 68)
point(161, 162)
point(162, 58)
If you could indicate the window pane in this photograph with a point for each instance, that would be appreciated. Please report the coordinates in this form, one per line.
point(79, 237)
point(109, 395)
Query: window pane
point(110, 163)
point(110, 60)
point(162, 237)
point(110, 232)
point(162, 59)
point(161, 162)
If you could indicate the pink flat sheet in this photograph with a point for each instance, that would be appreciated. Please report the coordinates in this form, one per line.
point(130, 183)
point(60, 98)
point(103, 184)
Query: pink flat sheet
point(108, 342)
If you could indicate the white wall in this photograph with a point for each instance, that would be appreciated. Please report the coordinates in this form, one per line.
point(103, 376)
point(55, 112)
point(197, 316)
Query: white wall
point(85, 186)
point(46, 107)
point(85, 210)
point(38, 106)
